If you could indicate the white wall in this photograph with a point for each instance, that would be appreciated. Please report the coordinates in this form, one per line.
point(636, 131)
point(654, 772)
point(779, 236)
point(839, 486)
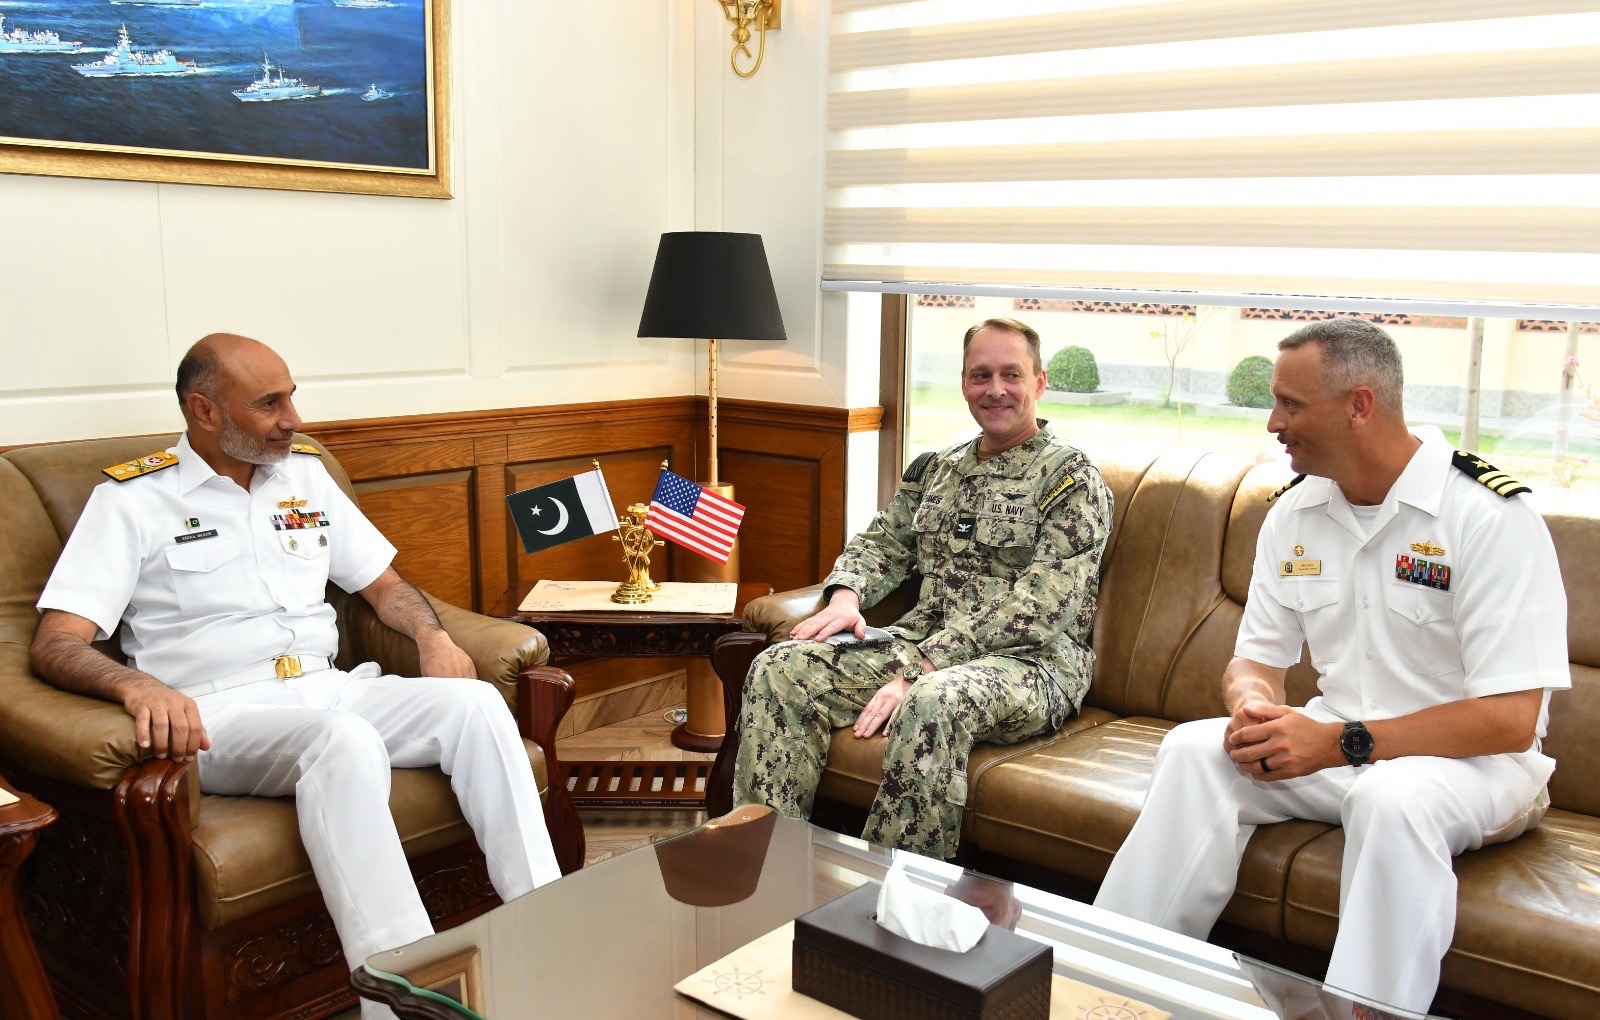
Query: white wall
point(579, 137)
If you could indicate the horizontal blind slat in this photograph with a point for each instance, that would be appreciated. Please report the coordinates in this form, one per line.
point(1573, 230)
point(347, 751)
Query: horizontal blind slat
point(1452, 228)
point(1555, 71)
point(1215, 282)
point(1184, 21)
point(1515, 151)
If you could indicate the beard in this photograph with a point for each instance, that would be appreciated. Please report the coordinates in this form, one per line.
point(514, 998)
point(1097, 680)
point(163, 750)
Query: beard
point(240, 445)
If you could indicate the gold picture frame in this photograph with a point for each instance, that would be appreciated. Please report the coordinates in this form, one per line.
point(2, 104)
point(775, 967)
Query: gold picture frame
point(459, 977)
point(25, 154)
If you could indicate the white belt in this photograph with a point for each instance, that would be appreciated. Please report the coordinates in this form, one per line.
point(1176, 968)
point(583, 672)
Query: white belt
point(284, 667)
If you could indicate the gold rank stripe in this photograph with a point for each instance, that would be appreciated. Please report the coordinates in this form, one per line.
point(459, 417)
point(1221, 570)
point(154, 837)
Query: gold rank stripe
point(304, 448)
point(148, 464)
point(1055, 494)
point(1280, 490)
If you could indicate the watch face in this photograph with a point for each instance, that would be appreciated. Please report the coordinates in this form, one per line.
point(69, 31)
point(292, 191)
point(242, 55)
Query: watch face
point(1356, 742)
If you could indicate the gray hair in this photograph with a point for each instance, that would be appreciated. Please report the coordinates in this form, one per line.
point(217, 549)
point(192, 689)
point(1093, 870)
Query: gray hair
point(199, 371)
point(1355, 353)
point(1022, 329)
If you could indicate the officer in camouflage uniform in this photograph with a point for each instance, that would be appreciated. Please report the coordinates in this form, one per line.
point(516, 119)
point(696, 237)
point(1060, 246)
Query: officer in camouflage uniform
point(1005, 532)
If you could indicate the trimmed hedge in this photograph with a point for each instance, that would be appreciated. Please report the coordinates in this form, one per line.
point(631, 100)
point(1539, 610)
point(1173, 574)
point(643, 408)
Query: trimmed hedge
point(1250, 382)
point(1073, 370)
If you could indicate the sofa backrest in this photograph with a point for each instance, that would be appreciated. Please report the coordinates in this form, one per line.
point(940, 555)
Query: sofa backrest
point(1177, 573)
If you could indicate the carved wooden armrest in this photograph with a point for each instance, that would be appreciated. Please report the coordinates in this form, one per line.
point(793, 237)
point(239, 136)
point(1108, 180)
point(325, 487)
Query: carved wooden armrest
point(544, 695)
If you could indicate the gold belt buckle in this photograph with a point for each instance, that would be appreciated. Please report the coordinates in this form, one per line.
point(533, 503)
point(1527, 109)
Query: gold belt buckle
point(287, 667)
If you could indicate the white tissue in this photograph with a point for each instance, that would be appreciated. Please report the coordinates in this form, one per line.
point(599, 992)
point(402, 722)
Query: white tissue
point(930, 918)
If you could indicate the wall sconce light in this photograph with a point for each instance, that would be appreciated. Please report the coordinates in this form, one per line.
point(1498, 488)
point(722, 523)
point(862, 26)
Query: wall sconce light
point(763, 14)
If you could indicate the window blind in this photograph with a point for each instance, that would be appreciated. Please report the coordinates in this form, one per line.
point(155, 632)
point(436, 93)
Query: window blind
point(1442, 150)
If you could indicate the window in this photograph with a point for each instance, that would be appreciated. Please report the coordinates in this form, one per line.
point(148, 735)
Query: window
point(1212, 171)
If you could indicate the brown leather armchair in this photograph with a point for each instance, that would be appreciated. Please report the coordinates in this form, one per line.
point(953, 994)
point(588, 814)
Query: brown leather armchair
point(150, 900)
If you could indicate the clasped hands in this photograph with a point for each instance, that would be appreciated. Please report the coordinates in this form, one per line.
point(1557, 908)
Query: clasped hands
point(843, 612)
point(1270, 742)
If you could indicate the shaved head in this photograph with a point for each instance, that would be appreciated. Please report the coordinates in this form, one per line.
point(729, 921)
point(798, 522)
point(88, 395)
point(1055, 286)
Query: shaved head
point(236, 398)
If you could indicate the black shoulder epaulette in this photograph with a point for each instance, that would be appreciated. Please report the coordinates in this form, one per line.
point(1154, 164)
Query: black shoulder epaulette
point(1285, 488)
point(145, 465)
point(304, 448)
point(915, 470)
point(1480, 470)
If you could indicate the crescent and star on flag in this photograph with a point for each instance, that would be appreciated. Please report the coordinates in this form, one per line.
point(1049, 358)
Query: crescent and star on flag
point(561, 518)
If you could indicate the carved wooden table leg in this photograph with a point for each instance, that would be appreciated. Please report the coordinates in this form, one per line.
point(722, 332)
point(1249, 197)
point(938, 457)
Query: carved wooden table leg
point(24, 992)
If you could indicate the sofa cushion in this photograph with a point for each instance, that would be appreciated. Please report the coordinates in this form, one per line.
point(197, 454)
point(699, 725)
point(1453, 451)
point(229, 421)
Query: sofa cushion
point(1067, 805)
point(1527, 914)
point(248, 855)
point(1163, 574)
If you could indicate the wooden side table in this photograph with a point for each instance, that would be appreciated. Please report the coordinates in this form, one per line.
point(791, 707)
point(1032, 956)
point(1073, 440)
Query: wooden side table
point(24, 991)
point(653, 635)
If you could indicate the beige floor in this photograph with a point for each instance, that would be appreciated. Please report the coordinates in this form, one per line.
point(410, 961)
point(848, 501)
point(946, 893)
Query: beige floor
point(608, 833)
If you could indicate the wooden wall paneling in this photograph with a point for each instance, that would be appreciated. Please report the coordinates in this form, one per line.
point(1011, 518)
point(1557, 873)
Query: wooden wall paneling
point(489, 477)
point(780, 538)
point(787, 465)
point(431, 520)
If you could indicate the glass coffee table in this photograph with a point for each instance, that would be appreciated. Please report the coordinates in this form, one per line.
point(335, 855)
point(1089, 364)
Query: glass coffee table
point(613, 939)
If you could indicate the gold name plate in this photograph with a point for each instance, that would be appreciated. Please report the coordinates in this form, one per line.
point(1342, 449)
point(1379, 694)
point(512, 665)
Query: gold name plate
point(1300, 568)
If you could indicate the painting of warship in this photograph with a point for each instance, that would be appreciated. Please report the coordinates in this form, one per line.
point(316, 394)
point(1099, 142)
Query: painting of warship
point(202, 91)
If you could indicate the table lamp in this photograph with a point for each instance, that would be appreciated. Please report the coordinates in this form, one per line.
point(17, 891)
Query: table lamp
point(712, 284)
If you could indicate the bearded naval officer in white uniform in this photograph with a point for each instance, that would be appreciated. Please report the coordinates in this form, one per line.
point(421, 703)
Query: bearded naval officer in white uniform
point(1428, 595)
point(213, 557)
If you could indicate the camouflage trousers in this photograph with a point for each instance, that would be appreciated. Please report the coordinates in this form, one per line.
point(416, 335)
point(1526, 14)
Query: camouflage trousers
point(799, 692)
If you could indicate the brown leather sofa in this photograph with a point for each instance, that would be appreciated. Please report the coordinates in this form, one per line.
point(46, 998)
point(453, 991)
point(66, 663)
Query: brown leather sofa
point(149, 899)
point(1054, 810)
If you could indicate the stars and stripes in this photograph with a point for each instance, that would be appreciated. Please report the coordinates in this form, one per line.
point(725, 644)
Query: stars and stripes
point(693, 517)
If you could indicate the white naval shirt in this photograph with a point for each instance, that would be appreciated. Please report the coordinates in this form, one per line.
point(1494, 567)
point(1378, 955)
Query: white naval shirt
point(1385, 645)
point(209, 579)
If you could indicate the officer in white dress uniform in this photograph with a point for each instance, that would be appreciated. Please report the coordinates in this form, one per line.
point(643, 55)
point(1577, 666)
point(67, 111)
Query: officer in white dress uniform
point(1428, 594)
point(214, 558)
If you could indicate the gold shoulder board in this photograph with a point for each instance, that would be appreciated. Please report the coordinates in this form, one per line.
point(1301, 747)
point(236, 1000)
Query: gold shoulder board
point(1480, 470)
point(1280, 490)
point(304, 448)
point(1055, 494)
point(148, 464)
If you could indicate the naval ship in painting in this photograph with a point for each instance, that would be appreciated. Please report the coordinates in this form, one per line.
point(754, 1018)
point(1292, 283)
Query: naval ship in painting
point(20, 40)
point(125, 61)
point(270, 87)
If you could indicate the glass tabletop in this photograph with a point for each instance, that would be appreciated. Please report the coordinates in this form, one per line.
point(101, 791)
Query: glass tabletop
point(612, 939)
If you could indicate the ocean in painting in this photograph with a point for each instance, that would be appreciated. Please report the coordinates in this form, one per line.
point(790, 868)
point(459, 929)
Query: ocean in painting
point(343, 49)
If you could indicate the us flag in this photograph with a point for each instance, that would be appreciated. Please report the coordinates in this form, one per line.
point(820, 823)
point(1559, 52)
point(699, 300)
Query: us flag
point(693, 517)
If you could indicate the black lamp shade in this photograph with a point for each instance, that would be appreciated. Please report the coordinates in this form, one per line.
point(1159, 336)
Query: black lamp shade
point(711, 284)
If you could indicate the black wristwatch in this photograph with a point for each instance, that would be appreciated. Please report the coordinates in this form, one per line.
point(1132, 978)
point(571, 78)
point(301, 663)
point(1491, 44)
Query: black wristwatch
point(1356, 743)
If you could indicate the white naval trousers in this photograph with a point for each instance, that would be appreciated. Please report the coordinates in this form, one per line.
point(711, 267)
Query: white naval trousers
point(330, 738)
point(1404, 819)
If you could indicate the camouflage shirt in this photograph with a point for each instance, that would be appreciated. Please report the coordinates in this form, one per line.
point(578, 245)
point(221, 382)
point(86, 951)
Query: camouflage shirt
point(1008, 552)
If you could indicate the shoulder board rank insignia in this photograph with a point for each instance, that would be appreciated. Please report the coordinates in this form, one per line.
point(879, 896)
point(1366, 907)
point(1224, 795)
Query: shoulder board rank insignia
point(1285, 488)
point(1056, 493)
point(1480, 470)
point(304, 448)
point(145, 465)
point(917, 468)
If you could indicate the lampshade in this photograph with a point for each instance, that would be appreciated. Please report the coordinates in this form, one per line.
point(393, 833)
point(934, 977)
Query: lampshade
point(711, 284)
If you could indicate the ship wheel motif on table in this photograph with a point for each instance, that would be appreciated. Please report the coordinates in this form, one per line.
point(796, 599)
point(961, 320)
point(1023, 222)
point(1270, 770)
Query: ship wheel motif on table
point(1112, 1011)
point(738, 983)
